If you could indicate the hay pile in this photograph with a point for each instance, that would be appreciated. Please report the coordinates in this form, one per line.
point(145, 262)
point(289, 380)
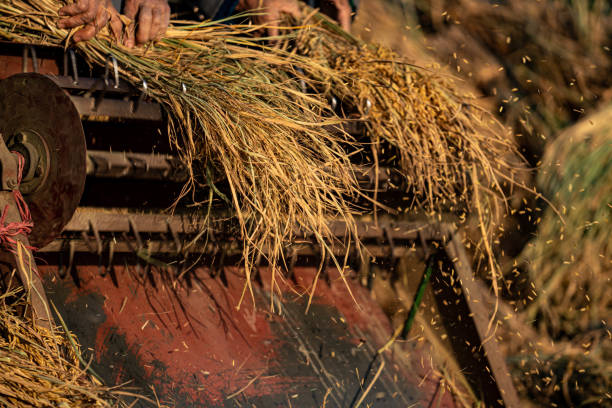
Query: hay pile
point(542, 63)
point(41, 368)
point(256, 120)
point(568, 358)
point(570, 261)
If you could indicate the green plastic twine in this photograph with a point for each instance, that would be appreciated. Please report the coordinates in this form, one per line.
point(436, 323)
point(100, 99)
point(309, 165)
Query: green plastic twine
point(418, 297)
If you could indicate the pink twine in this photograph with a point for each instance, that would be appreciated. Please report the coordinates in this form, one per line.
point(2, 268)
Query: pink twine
point(9, 231)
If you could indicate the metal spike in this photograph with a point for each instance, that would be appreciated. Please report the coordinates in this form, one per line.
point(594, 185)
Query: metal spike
point(325, 270)
point(111, 255)
point(365, 267)
point(113, 62)
point(96, 234)
point(73, 64)
point(87, 241)
point(257, 272)
point(28, 49)
point(292, 255)
point(175, 238)
point(62, 269)
point(368, 106)
point(136, 234)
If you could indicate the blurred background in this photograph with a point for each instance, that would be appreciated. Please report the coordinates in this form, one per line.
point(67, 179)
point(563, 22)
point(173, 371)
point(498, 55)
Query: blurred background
point(543, 67)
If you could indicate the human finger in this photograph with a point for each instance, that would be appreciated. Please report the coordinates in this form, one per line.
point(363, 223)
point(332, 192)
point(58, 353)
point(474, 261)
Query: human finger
point(79, 7)
point(129, 39)
point(90, 30)
point(86, 33)
point(273, 31)
point(130, 8)
point(343, 10)
point(156, 16)
point(165, 20)
point(344, 18)
point(143, 30)
point(292, 8)
point(78, 20)
point(271, 19)
point(116, 25)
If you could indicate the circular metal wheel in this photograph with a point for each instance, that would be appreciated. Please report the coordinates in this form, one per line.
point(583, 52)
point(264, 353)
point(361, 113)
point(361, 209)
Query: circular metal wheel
point(33, 108)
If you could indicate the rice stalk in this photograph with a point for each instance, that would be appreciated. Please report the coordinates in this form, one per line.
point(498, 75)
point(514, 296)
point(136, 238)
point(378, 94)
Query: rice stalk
point(453, 155)
point(417, 118)
point(40, 368)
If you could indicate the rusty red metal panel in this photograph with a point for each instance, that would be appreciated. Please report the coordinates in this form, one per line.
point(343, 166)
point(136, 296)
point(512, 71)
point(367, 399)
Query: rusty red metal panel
point(187, 340)
point(11, 61)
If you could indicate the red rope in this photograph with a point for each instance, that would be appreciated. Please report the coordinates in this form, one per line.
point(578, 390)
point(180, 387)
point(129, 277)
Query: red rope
point(9, 231)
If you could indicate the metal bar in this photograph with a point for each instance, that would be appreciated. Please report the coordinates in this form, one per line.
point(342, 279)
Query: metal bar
point(140, 166)
point(482, 360)
point(91, 85)
point(106, 164)
point(156, 247)
point(116, 108)
point(84, 219)
point(102, 226)
point(119, 222)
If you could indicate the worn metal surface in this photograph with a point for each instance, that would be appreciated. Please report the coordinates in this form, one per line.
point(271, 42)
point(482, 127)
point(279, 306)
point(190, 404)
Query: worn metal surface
point(185, 339)
point(464, 316)
point(92, 229)
point(91, 85)
point(33, 103)
point(12, 60)
point(118, 220)
point(171, 168)
point(8, 167)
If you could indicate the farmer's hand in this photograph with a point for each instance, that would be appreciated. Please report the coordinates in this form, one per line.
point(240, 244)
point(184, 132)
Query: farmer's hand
point(271, 11)
point(93, 15)
point(339, 10)
point(151, 17)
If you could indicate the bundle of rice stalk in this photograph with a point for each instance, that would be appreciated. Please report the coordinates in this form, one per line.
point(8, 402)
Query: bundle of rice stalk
point(542, 62)
point(570, 260)
point(235, 113)
point(243, 111)
point(40, 368)
point(454, 156)
point(417, 119)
